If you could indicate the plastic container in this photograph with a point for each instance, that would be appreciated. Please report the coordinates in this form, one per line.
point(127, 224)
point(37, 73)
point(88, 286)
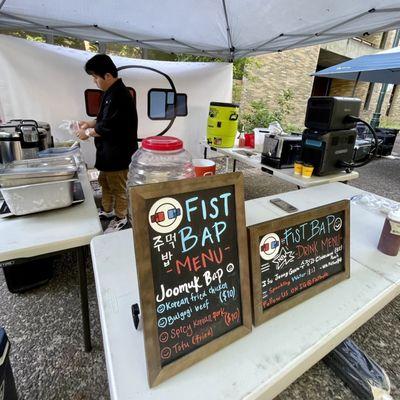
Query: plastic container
point(73, 151)
point(7, 383)
point(242, 141)
point(161, 158)
point(222, 124)
point(389, 242)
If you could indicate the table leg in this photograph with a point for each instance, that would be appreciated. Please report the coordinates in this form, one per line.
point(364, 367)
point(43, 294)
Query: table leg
point(226, 165)
point(84, 298)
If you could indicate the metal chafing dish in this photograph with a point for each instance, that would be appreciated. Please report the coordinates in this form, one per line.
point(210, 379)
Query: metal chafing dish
point(29, 199)
point(18, 175)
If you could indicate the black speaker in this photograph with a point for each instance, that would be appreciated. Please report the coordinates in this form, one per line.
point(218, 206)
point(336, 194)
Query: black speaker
point(326, 113)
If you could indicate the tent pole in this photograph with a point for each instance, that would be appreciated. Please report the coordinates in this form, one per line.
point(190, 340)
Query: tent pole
point(355, 84)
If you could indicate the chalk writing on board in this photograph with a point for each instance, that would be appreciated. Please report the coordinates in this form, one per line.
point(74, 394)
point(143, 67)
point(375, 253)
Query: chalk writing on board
point(298, 257)
point(194, 257)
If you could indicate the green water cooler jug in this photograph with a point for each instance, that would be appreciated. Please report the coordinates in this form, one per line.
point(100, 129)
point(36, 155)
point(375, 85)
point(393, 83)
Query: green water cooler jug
point(222, 124)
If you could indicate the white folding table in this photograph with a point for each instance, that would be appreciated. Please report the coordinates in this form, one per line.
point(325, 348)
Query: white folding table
point(53, 231)
point(253, 159)
point(273, 355)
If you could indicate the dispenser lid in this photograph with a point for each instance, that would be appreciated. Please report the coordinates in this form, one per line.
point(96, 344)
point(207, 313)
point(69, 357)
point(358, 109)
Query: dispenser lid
point(162, 143)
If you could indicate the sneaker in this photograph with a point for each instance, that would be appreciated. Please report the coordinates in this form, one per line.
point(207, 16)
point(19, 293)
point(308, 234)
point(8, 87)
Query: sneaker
point(116, 224)
point(106, 215)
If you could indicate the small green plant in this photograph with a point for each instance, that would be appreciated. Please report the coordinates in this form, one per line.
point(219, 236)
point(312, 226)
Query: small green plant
point(260, 115)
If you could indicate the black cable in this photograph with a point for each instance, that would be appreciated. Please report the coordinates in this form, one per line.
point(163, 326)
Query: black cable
point(170, 81)
point(371, 155)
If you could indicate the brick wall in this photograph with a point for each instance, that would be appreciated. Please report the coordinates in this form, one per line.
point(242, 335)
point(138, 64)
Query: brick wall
point(276, 72)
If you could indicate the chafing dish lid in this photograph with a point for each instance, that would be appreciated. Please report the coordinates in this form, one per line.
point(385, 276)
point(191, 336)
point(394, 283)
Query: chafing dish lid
point(36, 172)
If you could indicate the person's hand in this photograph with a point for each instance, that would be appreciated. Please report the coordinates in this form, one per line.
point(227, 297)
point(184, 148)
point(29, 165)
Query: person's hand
point(81, 134)
point(87, 124)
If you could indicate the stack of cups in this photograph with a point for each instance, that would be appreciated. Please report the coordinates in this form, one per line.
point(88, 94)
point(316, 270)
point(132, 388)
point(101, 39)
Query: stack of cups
point(303, 169)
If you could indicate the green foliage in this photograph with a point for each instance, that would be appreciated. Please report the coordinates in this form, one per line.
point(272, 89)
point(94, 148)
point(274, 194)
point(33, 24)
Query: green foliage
point(240, 67)
point(260, 115)
point(236, 91)
point(123, 50)
point(36, 37)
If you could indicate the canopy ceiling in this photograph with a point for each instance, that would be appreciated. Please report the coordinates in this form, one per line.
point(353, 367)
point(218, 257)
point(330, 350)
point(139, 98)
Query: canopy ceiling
point(228, 29)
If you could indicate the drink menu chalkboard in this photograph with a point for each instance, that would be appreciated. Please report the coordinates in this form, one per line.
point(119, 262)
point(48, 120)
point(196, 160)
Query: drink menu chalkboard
point(296, 257)
point(191, 260)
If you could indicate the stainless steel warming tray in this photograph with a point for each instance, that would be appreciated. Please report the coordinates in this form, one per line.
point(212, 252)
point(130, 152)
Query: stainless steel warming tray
point(28, 199)
point(19, 175)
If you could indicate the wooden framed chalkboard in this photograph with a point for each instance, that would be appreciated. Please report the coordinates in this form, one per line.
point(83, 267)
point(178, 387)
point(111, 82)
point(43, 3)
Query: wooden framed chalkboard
point(192, 262)
point(296, 257)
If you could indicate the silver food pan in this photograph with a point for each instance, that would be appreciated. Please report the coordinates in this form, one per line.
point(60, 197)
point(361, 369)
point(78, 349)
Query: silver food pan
point(29, 199)
point(25, 175)
point(43, 162)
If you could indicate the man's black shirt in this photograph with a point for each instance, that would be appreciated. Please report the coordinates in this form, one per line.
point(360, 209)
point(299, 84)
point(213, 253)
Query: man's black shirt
point(117, 126)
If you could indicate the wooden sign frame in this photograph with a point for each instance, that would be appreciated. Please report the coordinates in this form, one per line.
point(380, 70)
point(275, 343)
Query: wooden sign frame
point(255, 231)
point(138, 197)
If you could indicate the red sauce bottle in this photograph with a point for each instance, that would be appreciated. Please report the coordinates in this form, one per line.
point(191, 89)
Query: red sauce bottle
point(389, 243)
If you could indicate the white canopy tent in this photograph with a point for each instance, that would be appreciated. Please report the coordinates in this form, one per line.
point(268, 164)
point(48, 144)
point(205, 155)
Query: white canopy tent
point(228, 29)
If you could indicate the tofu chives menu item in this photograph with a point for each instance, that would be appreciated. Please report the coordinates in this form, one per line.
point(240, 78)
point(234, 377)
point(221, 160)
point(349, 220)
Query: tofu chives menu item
point(190, 244)
point(296, 257)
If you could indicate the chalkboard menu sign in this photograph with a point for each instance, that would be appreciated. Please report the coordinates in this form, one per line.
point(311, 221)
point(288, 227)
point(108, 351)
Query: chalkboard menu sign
point(295, 257)
point(191, 255)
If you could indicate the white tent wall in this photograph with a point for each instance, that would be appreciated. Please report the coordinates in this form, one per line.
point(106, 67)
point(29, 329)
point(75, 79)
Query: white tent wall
point(47, 83)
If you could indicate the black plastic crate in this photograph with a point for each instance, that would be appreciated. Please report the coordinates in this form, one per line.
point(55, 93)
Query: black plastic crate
point(388, 137)
point(30, 274)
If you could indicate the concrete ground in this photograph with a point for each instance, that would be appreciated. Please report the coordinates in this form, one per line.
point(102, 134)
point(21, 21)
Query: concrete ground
point(44, 324)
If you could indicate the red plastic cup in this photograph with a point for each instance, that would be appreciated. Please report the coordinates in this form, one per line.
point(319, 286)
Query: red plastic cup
point(203, 167)
point(249, 139)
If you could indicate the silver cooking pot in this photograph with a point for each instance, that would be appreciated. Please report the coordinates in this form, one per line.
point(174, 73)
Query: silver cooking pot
point(18, 144)
point(44, 130)
point(10, 147)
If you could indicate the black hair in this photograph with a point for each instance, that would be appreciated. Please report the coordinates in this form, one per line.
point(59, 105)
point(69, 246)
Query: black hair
point(100, 65)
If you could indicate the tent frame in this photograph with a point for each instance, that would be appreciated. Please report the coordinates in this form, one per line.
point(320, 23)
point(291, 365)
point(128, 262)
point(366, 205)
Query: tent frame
point(230, 53)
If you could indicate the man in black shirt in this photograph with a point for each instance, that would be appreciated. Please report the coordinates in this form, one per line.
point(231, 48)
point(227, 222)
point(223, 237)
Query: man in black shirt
point(115, 137)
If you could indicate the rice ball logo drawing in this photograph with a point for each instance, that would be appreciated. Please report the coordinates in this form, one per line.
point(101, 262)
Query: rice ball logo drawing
point(165, 215)
point(269, 246)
